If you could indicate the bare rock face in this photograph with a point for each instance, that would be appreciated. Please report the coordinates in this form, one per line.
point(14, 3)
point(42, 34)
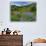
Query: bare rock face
point(39, 40)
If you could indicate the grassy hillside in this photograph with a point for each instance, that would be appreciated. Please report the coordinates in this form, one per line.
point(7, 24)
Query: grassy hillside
point(17, 12)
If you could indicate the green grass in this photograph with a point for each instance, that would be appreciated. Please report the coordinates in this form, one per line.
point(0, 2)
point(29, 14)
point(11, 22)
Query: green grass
point(24, 17)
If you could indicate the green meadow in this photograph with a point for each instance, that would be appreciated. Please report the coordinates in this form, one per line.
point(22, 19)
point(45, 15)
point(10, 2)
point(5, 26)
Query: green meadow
point(23, 13)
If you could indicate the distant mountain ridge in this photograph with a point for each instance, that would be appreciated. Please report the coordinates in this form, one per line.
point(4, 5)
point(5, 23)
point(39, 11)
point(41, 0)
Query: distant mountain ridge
point(29, 7)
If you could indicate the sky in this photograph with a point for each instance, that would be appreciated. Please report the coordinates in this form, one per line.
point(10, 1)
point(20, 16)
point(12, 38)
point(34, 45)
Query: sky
point(20, 3)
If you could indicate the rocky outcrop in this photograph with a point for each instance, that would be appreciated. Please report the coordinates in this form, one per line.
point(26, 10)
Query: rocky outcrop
point(39, 40)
